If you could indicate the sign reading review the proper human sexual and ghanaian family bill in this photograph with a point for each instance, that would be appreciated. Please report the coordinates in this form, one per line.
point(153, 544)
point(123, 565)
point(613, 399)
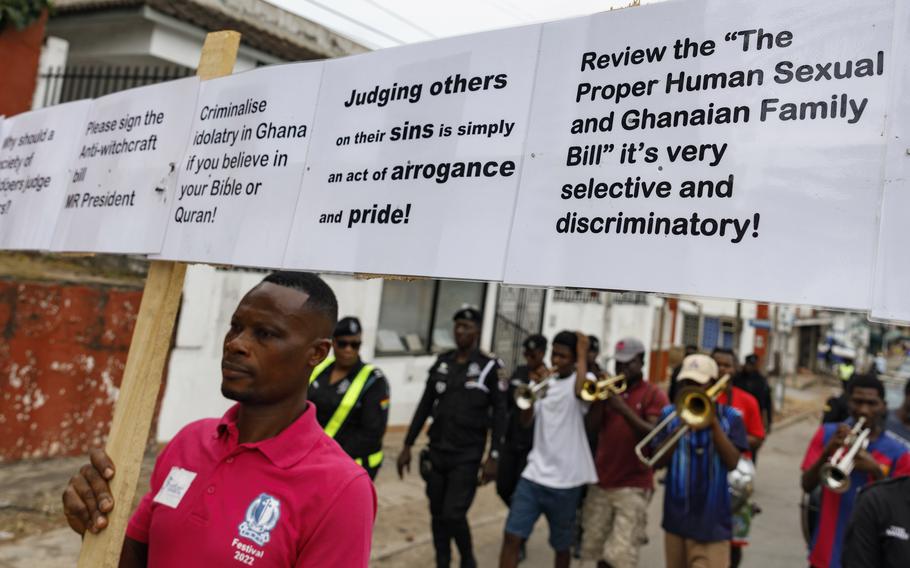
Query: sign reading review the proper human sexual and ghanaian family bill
point(708, 147)
point(125, 170)
point(240, 179)
point(33, 174)
point(415, 158)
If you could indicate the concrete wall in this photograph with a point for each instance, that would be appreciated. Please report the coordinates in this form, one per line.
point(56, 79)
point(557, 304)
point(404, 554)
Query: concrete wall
point(210, 297)
point(61, 362)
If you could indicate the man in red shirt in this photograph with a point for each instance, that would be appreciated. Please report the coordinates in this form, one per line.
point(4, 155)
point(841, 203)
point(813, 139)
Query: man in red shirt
point(263, 486)
point(748, 407)
point(614, 515)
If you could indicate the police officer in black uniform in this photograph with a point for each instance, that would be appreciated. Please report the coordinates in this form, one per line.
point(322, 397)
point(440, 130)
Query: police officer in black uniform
point(465, 398)
point(518, 439)
point(351, 398)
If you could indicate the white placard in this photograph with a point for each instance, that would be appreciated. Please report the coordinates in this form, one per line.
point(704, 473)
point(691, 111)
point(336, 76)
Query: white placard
point(240, 179)
point(415, 158)
point(891, 282)
point(34, 172)
point(125, 170)
point(710, 96)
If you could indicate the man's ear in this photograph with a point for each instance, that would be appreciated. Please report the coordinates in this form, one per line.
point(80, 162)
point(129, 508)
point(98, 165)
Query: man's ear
point(319, 350)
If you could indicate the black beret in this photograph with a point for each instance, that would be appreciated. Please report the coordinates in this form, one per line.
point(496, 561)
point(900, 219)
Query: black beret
point(469, 313)
point(348, 326)
point(535, 342)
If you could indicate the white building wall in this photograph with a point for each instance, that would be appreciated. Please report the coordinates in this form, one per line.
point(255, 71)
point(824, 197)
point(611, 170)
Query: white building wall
point(210, 297)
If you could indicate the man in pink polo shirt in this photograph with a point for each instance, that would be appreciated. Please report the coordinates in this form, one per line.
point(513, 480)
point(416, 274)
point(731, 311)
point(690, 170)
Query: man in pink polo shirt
point(263, 486)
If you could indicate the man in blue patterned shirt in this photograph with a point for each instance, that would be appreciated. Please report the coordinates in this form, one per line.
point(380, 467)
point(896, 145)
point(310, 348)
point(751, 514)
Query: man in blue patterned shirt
point(697, 510)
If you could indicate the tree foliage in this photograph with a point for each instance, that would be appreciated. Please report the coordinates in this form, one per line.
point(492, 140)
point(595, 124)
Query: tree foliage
point(21, 13)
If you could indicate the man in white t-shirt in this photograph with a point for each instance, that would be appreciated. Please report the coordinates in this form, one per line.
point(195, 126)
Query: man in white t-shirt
point(560, 463)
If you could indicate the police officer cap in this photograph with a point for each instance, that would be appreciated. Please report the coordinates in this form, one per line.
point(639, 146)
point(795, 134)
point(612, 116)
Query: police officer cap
point(469, 313)
point(593, 344)
point(535, 342)
point(348, 326)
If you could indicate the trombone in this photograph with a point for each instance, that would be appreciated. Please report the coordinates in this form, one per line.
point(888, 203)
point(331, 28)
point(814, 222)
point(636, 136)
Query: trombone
point(835, 475)
point(602, 389)
point(694, 408)
point(526, 394)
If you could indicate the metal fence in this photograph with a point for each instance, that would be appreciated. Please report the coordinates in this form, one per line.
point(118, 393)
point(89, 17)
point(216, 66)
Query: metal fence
point(64, 84)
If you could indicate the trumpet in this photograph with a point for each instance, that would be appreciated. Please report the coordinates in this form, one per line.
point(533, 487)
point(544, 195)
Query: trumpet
point(526, 394)
point(694, 408)
point(601, 389)
point(835, 475)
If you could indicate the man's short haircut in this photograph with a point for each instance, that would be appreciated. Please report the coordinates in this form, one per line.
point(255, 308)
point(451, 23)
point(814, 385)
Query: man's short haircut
point(752, 359)
point(866, 381)
point(724, 351)
point(567, 339)
point(321, 298)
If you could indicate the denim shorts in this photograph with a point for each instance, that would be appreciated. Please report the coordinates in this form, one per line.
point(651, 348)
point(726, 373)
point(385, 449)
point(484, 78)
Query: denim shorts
point(559, 506)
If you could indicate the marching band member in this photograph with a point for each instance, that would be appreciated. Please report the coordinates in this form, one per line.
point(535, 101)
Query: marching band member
point(351, 398)
point(560, 462)
point(883, 457)
point(615, 511)
point(513, 456)
point(750, 410)
point(697, 508)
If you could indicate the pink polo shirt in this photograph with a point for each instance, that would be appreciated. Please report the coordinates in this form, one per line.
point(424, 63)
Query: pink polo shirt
point(293, 500)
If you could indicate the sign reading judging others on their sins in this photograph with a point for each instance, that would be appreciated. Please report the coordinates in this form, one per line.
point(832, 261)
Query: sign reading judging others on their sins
point(415, 158)
point(33, 177)
point(240, 179)
point(125, 170)
point(708, 147)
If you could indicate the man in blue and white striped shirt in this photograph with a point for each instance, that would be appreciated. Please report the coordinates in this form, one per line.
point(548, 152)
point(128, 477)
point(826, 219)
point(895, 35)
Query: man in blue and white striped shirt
point(697, 510)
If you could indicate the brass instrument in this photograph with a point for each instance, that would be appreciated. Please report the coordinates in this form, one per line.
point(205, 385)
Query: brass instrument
point(694, 407)
point(835, 475)
point(526, 394)
point(602, 389)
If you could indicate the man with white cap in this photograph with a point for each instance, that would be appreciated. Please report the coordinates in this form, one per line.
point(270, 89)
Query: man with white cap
point(615, 512)
point(697, 509)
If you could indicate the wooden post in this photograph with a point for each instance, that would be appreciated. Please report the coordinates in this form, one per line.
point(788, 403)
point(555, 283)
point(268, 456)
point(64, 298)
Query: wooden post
point(146, 360)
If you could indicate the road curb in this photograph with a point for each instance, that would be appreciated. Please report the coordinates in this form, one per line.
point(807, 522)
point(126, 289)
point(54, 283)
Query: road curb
point(795, 419)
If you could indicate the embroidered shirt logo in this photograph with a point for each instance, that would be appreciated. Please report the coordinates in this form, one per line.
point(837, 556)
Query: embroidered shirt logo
point(473, 369)
point(897, 532)
point(261, 517)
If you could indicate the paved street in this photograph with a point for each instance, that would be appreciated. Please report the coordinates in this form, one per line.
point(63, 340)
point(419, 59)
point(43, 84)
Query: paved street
point(402, 536)
point(777, 540)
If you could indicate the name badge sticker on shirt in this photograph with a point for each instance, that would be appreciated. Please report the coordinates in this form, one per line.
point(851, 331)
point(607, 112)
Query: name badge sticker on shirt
point(175, 487)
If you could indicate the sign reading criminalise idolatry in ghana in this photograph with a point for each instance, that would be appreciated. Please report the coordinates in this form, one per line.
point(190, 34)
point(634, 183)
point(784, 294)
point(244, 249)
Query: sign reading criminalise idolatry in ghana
point(415, 156)
point(32, 175)
point(240, 178)
point(125, 170)
point(711, 148)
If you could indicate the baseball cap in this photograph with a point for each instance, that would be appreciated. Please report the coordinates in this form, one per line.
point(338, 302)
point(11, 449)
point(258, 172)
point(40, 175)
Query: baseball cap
point(347, 326)
point(627, 349)
point(535, 342)
point(699, 368)
point(469, 313)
